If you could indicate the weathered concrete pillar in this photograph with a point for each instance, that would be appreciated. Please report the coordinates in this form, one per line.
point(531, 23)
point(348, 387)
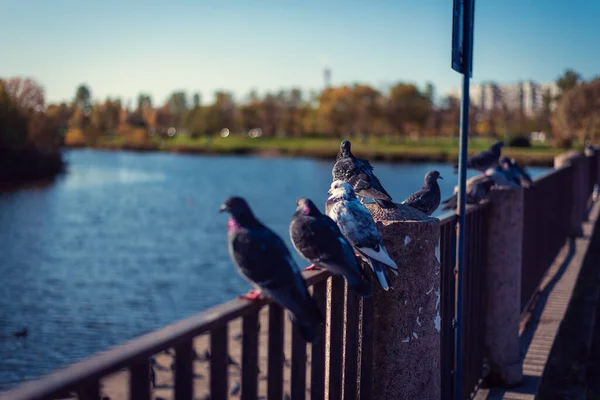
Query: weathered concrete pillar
point(406, 342)
point(503, 286)
point(579, 177)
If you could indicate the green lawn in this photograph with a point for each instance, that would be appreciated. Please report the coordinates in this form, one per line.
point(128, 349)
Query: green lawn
point(404, 149)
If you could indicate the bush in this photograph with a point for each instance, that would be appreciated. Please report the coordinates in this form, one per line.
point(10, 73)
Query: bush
point(563, 143)
point(74, 137)
point(519, 141)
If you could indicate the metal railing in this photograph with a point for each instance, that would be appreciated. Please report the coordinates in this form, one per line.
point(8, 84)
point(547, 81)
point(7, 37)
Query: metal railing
point(348, 336)
point(340, 364)
point(474, 317)
point(546, 219)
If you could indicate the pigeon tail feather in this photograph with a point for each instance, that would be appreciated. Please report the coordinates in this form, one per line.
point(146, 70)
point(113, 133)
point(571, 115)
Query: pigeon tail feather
point(310, 323)
point(378, 268)
point(361, 287)
point(385, 203)
point(382, 256)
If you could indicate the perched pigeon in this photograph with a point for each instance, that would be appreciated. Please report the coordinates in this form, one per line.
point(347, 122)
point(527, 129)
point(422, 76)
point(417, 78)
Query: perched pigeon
point(263, 258)
point(319, 240)
point(476, 191)
point(359, 173)
point(519, 175)
point(500, 176)
point(485, 159)
point(357, 225)
point(426, 199)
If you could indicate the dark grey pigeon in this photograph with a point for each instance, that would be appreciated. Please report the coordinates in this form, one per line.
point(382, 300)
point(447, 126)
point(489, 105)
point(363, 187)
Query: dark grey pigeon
point(521, 177)
point(485, 159)
point(264, 260)
point(359, 173)
point(427, 199)
point(357, 225)
point(319, 240)
point(476, 191)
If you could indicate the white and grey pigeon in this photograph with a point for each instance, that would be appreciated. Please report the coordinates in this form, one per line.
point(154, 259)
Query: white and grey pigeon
point(427, 199)
point(359, 173)
point(485, 159)
point(476, 191)
point(357, 225)
point(265, 261)
point(519, 175)
point(319, 240)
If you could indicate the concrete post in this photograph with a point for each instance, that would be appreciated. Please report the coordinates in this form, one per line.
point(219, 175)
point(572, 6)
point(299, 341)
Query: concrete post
point(407, 322)
point(503, 286)
point(579, 177)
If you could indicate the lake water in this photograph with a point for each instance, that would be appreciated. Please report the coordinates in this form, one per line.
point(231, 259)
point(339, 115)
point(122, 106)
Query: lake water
point(128, 242)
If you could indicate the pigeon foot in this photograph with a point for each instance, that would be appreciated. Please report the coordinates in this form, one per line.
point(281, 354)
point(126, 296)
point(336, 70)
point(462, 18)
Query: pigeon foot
point(252, 295)
point(311, 267)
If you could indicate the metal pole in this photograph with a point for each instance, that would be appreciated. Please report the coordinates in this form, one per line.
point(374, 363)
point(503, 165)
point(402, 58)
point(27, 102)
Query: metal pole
point(462, 181)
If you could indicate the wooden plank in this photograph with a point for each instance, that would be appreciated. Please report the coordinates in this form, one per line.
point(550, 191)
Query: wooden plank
point(139, 381)
point(184, 371)
point(351, 345)
point(317, 369)
point(275, 360)
point(366, 345)
point(89, 390)
point(250, 331)
point(219, 376)
point(298, 385)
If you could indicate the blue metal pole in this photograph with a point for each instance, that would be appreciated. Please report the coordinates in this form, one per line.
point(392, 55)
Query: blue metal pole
point(462, 181)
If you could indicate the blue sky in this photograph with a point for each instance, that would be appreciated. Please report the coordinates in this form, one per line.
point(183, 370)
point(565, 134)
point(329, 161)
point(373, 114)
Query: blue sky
point(120, 48)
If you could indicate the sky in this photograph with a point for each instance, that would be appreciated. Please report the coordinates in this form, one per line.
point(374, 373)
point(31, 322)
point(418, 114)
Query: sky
point(122, 48)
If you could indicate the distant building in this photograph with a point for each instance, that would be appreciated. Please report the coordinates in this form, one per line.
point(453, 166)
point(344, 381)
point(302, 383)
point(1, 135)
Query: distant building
point(527, 96)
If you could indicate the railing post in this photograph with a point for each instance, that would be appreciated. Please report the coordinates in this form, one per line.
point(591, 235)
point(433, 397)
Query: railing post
point(407, 322)
point(503, 286)
point(579, 176)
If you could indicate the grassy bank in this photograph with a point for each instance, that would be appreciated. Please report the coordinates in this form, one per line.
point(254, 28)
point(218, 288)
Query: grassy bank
point(402, 150)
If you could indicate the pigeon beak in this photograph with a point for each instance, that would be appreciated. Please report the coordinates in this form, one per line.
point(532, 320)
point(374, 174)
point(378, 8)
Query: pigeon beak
point(441, 177)
point(223, 208)
point(329, 191)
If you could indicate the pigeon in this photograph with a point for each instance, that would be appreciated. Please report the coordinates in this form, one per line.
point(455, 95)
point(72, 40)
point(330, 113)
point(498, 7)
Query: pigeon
point(427, 199)
point(476, 191)
point(484, 159)
point(359, 173)
point(357, 225)
point(517, 173)
point(319, 240)
point(265, 261)
point(501, 177)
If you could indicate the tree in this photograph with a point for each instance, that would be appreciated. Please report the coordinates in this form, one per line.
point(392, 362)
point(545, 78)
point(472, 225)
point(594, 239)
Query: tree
point(407, 105)
point(83, 99)
point(569, 80)
point(578, 112)
point(13, 122)
point(335, 107)
point(26, 93)
point(366, 107)
point(196, 100)
point(177, 103)
point(144, 101)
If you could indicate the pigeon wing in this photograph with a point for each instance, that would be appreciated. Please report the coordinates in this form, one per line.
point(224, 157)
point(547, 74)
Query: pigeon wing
point(263, 258)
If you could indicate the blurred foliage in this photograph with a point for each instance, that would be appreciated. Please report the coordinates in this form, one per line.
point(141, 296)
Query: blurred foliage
point(402, 112)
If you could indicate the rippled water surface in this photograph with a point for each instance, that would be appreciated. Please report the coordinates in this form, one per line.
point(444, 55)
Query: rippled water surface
point(127, 242)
